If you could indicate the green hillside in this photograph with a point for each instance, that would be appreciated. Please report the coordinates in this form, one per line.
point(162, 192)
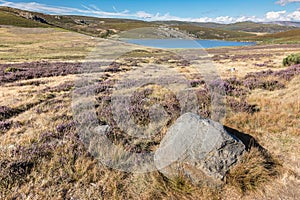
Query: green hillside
point(240, 26)
point(7, 18)
point(105, 27)
point(211, 33)
point(256, 27)
point(100, 27)
point(287, 37)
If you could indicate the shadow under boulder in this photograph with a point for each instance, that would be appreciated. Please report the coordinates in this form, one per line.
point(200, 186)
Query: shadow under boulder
point(202, 150)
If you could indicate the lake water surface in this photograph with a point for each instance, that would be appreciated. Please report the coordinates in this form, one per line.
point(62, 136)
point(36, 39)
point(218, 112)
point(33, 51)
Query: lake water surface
point(183, 43)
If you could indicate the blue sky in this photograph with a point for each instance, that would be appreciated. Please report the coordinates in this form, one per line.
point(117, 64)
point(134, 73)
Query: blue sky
point(224, 11)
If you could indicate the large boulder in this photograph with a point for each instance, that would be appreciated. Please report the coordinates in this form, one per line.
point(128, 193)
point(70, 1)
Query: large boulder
point(198, 148)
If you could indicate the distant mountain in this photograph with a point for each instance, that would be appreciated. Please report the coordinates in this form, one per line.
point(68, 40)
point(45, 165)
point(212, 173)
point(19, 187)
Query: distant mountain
point(201, 24)
point(239, 26)
point(257, 27)
point(104, 27)
point(210, 33)
point(286, 23)
point(100, 27)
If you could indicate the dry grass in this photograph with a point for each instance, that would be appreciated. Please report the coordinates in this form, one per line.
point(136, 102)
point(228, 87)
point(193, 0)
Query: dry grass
point(41, 156)
point(33, 44)
point(253, 59)
point(276, 127)
point(254, 170)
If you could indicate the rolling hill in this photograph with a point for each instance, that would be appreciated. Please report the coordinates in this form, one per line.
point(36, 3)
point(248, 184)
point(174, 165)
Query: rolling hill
point(105, 27)
point(286, 23)
point(8, 18)
point(239, 26)
point(256, 27)
point(291, 36)
point(211, 33)
point(100, 27)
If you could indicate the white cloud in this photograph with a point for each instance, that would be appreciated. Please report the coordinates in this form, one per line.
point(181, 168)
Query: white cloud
point(95, 11)
point(225, 19)
point(33, 6)
point(37, 7)
point(143, 14)
point(283, 16)
point(249, 18)
point(279, 15)
point(294, 16)
point(284, 2)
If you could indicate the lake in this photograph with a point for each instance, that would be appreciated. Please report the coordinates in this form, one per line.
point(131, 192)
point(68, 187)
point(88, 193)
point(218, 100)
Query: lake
point(189, 44)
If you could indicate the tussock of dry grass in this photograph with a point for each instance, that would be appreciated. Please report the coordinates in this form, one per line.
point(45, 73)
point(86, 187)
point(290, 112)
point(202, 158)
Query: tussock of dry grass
point(254, 170)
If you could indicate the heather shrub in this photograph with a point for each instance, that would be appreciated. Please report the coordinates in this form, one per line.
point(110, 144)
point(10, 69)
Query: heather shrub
point(5, 126)
point(6, 112)
point(270, 80)
point(196, 83)
point(143, 99)
point(12, 172)
point(261, 83)
point(292, 59)
point(289, 73)
point(21, 161)
point(25, 71)
point(241, 105)
point(230, 87)
point(204, 102)
point(65, 127)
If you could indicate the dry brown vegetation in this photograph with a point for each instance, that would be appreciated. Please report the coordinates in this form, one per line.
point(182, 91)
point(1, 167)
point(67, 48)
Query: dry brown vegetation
point(43, 157)
point(38, 44)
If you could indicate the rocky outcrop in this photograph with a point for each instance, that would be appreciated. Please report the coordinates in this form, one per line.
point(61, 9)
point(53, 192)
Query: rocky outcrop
point(32, 17)
point(198, 148)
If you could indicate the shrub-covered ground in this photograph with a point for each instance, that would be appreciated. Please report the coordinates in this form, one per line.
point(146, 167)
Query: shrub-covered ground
point(42, 155)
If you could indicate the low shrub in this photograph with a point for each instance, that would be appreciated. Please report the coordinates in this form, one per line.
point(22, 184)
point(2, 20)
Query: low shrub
point(12, 172)
point(292, 59)
point(6, 112)
point(11, 70)
point(5, 126)
point(241, 105)
point(270, 85)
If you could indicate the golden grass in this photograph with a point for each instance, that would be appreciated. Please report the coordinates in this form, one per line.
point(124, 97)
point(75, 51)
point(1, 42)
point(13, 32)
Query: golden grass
point(68, 171)
point(276, 127)
point(254, 170)
point(245, 62)
point(33, 44)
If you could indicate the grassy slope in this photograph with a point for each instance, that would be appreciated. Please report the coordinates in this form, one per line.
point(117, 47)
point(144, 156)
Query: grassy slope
point(210, 33)
point(256, 27)
point(286, 37)
point(291, 36)
point(18, 44)
point(7, 18)
point(103, 27)
point(240, 26)
point(92, 25)
point(87, 25)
